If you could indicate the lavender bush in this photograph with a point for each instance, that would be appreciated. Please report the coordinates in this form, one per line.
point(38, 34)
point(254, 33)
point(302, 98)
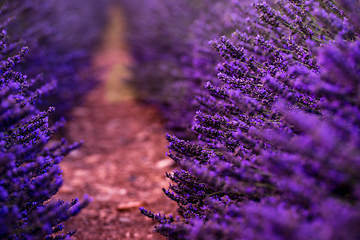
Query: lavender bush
point(29, 166)
point(278, 149)
point(29, 171)
point(62, 35)
point(172, 58)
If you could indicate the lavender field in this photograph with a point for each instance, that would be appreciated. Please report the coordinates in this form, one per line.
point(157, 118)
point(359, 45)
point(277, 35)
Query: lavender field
point(258, 103)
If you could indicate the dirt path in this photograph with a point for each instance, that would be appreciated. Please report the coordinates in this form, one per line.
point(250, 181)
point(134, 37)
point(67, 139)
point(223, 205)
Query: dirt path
point(122, 163)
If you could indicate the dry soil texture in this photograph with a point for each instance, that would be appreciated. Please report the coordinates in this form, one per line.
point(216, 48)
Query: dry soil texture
point(122, 163)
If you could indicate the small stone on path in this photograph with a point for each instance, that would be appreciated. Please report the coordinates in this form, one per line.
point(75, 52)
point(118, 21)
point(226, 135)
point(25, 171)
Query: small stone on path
point(164, 163)
point(129, 206)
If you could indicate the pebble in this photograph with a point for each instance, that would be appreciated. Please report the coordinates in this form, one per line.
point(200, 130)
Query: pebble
point(75, 153)
point(130, 205)
point(66, 189)
point(124, 219)
point(164, 163)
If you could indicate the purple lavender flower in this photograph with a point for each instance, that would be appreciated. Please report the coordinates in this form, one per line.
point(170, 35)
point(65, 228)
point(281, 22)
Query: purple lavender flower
point(61, 37)
point(168, 44)
point(29, 170)
point(277, 154)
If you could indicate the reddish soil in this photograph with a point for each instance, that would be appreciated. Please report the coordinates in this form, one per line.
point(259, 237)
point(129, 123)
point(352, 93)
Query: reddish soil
point(122, 163)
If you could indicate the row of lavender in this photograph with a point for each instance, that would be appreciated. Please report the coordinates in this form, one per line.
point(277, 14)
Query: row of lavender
point(173, 59)
point(59, 37)
point(277, 155)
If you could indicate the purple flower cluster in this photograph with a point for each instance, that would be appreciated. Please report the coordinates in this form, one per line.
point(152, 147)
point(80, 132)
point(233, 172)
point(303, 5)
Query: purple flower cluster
point(61, 36)
point(29, 171)
point(169, 45)
point(277, 155)
point(29, 165)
